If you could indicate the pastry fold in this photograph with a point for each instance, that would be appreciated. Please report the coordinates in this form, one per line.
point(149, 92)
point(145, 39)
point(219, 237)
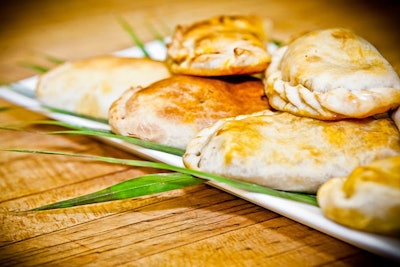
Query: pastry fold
point(331, 74)
point(219, 46)
point(287, 152)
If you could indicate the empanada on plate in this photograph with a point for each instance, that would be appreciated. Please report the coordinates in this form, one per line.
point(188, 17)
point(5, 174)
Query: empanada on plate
point(287, 152)
point(89, 86)
point(331, 74)
point(367, 200)
point(173, 110)
point(219, 46)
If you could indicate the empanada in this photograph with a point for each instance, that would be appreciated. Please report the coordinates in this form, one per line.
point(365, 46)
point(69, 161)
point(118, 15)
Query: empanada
point(89, 86)
point(283, 151)
point(222, 45)
point(368, 199)
point(331, 74)
point(173, 110)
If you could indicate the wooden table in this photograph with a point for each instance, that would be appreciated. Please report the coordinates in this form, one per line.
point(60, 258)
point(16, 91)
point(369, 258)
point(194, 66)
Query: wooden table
point(198, 226)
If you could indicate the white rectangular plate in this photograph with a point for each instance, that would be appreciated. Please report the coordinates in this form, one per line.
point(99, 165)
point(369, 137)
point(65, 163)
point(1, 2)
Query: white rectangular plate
point(302, 213)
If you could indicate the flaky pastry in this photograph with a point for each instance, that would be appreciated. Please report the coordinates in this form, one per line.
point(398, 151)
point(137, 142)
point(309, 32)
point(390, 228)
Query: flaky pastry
point(368, 199)
point(331, 74)
point(283, 151)
point(89, 86)
point(222, 45)
point(173, 110)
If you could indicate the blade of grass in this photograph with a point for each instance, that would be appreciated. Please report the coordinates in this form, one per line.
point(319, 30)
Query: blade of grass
point(42, 69)
point(38, 68)
point(53, 59)
point(135, 141)
point(304, 198)
point(79, 130)
point(2, 109)
point(127, 27)
point(277, 42)
point(140, 186)
point(67, 112)
point(53, 122)
point(156, 34)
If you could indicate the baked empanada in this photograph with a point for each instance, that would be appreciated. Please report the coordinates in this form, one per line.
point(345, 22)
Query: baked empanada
point(89, 86)
point(173, 110)
point(283, 151)
point(368, 199)
point(331, 74)
point(222, 45)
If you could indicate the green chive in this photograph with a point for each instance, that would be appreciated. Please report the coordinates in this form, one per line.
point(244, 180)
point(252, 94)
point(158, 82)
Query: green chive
point(156, 34)
point(67, 112)
point(54, 59)
point(304, 198)
point(79, 130)
point(40, 69)
point(277, 42)
point(6, 108)
point(127, 27)
point(140, 186)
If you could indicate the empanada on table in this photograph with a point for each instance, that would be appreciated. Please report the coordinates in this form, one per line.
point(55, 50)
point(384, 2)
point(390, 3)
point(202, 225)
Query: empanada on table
point(287, 152)
point(368, 199)
point(331, 74)
point(89, 86)
point(173, 110)
point(219, 46)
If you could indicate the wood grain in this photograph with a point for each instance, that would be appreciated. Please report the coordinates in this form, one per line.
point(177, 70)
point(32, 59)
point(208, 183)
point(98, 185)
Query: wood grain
point(197, 226)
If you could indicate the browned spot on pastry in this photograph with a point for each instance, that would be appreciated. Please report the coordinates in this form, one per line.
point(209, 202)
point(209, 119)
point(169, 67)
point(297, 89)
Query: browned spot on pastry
point(343, 34)
point(186, 104)
point(219, 46)
point(313, 58)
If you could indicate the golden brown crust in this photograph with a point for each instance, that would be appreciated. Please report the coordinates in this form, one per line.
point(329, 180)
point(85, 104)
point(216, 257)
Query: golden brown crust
point(368, 199)
point(287, 152)
point(89, 86)
point(173, 110)
point(222, 45)
point(331, 74)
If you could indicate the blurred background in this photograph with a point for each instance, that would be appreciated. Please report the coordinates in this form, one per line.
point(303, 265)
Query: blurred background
point(68, 28)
